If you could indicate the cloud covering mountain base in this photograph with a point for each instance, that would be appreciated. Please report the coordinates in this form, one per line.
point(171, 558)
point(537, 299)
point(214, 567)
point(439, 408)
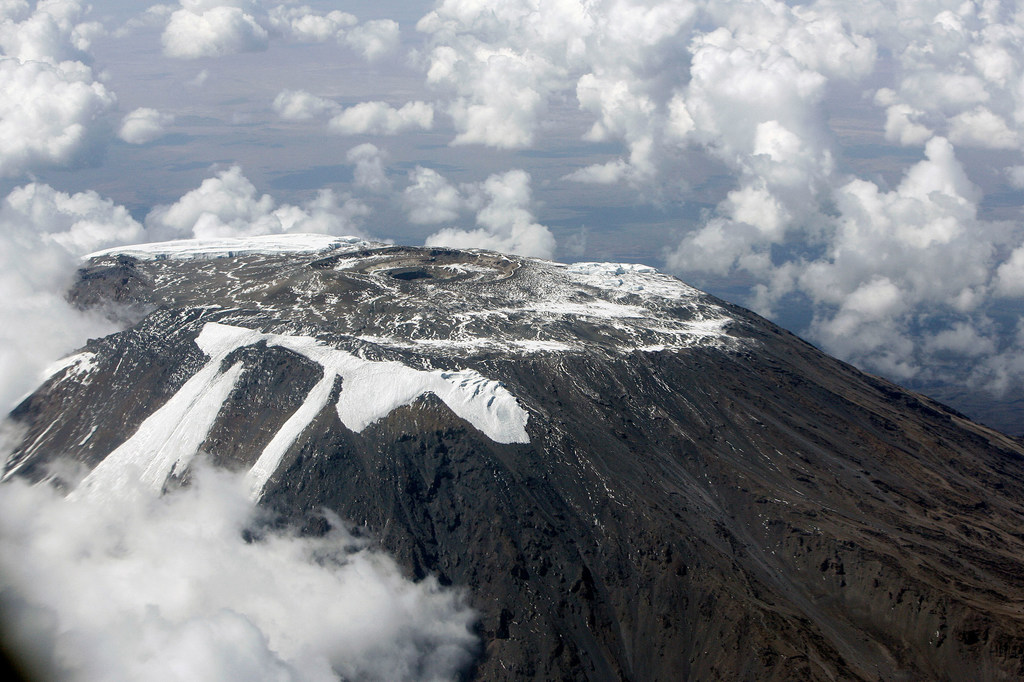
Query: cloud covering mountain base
point(197, 585)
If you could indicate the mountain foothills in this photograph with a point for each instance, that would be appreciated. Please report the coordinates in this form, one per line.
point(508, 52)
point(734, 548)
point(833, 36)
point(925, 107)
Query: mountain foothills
point(632, 479)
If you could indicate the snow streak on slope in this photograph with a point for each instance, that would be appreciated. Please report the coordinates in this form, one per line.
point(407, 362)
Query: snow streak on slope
point(289, 432)
point(79, 364)
point(168, 439)
point(166, 442)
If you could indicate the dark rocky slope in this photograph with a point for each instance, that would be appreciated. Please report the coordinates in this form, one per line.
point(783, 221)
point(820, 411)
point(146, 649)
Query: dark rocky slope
point(702, 495)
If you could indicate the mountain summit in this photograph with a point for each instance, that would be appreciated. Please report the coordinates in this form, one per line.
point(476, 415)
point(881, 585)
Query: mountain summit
point(633, 479)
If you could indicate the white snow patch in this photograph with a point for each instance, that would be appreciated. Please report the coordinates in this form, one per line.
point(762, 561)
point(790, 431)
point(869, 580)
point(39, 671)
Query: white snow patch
point(168, 439)
point(87, 436)
point(373, 389)
point(541, 346)
point(597, 308)
point(629, 278)
point(699, 327)
point(472, 343)
point(289, 432)
point(80, 363)
point(206, 249)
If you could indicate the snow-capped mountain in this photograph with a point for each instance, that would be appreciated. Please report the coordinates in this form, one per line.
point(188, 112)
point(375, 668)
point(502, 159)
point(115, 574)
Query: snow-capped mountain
point(633, 479)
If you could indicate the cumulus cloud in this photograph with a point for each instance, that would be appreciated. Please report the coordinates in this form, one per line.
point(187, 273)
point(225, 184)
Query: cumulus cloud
point(304, 25)
point(953, 71)
point(374, 39)
point(299, 105)
point(378, 118)
point(50, 115)
point(430, 199)
point(53, 111)
point(601, 173)
point(902, 123)
point(193, 585)
point(43, 233)
point(51, 32)
point(1015, 174)
point(369, 167)
point(144, 125)
point(502, 66)
point(901, 279)
point(365, 118)
point(505, 220)
point(980, 127)
point(1010, 275)
point(210, 28)
point(229, 205)
point(213, 28)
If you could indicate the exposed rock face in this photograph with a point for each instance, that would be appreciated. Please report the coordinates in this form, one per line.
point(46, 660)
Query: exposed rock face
point(633, 479)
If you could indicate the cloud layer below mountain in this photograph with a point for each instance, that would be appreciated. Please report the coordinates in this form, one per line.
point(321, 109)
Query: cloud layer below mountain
point(191, 585)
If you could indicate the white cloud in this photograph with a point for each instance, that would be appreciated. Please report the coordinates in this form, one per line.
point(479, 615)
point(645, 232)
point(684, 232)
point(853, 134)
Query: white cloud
point(199, 80)
point(302, 24)
point(1010, 275)
point(168, 588)
point(377, 118)
point(982, 128)
point(1015, 175)
point(902, 127)
point(299, 105)
point(230, 206)
point(43, 233)
point(80, 223)
point(505, 220)
point(50, 32)
point(374, 39)
point(50, 115)
point(327, 213)
point(960, 339)
point(501, 63)
point(369, 167)
point(53, 111)
point(891, 261)
point(923, 238)
point(144, 125)
point(430, 198)
point(622, 113)
point(364, 118)
point(756, 206)
point(955, 70)
point(210, 29)
point(601, 173)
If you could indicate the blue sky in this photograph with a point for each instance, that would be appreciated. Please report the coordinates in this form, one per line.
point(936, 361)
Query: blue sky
point(852, 171)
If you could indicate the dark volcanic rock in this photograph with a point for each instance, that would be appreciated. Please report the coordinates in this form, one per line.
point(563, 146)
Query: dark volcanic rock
point(697, 494)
